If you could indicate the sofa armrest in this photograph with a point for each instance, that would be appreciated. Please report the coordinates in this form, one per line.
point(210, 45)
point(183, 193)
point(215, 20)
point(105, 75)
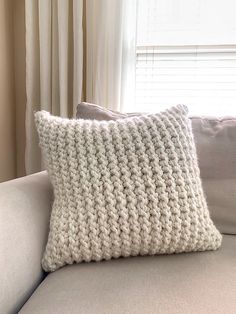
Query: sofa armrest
point(25, 205)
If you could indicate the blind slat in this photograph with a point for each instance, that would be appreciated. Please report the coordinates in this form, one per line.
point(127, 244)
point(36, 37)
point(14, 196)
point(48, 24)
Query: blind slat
point(204, 78)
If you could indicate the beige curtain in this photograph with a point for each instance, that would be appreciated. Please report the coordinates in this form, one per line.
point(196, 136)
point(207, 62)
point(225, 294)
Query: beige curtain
point(62, 56)
point(54, 58)
point(110, 46)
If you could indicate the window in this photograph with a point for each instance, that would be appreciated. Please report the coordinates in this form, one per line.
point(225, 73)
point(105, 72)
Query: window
point(186, 53)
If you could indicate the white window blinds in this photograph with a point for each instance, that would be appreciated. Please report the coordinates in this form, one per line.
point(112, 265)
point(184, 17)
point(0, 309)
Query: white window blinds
point(186, 53)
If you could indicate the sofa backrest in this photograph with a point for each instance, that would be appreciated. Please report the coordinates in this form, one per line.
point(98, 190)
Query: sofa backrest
point(216, 148)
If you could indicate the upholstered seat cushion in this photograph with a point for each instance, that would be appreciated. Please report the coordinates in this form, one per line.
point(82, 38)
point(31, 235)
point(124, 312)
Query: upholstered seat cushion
point(183, 283)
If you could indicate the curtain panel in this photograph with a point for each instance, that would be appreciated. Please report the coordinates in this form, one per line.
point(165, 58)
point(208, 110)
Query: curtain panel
point(76, 49)
point(54, 59)
point(110, 47)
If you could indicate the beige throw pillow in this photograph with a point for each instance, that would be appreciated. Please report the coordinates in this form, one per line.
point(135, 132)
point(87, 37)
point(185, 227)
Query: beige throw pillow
point(123, 188)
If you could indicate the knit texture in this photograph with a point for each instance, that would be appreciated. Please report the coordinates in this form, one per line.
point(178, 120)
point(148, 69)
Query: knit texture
point(123, 188)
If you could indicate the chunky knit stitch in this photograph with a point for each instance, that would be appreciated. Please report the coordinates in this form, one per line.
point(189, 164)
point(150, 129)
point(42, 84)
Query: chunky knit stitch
point(123, 188)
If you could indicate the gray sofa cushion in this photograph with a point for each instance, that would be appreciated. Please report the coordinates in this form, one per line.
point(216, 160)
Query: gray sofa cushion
point(215, 140)
point(183, 283)
point(91, 111)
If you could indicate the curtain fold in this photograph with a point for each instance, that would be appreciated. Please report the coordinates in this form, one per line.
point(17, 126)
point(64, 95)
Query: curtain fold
point(110, 57)
point(60, 52)
point(54, 65)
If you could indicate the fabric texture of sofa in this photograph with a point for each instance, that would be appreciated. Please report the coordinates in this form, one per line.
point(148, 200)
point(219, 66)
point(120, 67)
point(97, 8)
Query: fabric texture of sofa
point(202, 282)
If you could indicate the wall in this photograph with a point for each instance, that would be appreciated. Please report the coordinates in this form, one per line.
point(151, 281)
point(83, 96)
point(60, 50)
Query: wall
point(20, 84)
point(7, 98)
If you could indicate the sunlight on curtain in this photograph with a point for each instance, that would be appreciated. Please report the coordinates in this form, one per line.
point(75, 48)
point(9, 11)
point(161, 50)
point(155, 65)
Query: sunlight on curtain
point(110, 58)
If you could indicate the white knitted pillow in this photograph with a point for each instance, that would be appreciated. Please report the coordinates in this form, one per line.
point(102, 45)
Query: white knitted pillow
point(124, 187)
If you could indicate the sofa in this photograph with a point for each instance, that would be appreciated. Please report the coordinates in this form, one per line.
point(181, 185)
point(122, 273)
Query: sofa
point(203, 282)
